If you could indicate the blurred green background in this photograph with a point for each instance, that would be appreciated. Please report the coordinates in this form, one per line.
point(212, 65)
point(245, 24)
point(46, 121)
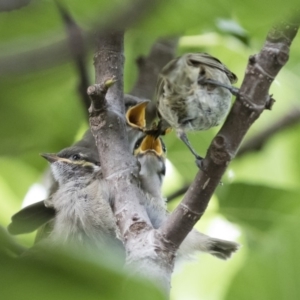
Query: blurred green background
point(258, 203)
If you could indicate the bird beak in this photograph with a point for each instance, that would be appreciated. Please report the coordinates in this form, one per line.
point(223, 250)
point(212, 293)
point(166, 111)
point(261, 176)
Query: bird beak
point(150, 143)
point(51, 157)
point(135, 115)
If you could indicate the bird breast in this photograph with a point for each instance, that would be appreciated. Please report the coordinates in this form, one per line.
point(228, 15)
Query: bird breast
point(83, 211)
point(204, 106)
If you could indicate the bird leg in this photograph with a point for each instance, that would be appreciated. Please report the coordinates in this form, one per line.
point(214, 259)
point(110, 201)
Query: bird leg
point(233, 90)
point(182, 135)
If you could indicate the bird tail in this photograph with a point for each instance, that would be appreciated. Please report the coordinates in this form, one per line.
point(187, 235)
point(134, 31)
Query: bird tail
point(222, 249)
point(197, 241)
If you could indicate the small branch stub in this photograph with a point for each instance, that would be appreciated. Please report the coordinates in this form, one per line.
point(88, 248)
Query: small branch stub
point(97, 93)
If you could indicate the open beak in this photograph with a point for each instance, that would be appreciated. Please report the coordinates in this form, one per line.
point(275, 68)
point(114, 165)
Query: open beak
point(135, 115)
point(150, 143)
point(51, 157)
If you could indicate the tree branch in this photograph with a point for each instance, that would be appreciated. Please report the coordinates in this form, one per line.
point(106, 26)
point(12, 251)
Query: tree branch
point(149, 67)
point(126, 15)
point(252, 99)
point(119, 166)
point(78, 52)
point(9, 5)
point(257, 142)
point(178, 192)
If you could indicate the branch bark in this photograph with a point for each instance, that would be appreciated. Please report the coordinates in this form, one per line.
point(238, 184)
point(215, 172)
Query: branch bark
point(119, 166)
point(253, 98)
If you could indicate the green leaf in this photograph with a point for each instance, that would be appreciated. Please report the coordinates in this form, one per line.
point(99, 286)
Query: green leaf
point(59, 275)
point(257, 207)
point(272, 270)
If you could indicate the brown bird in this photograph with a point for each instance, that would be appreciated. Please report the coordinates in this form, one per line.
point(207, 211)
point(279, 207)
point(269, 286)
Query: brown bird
point(193, 93)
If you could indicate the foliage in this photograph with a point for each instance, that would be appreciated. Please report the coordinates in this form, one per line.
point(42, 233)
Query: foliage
point(41, 112)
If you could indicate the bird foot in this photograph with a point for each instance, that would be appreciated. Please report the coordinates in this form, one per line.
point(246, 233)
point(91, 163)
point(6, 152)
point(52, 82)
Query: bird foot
point(199, 162)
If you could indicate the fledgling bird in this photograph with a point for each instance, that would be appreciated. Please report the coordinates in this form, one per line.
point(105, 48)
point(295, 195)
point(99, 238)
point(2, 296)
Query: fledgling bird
point(83, 211)
point(150, 152)
point(193, 92)
point(135, 113)
point(81, 204)
point(40, 216)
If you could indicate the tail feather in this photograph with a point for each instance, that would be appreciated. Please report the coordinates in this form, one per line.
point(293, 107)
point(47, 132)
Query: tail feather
point(222, 249)
point(199, 242)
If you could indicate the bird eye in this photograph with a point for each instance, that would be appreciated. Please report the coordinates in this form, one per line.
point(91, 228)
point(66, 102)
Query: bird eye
point(138, 143)
point(75, 156)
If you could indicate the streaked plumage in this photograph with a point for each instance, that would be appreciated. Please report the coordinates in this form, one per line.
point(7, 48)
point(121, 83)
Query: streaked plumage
point(83, 214)
point(193, 93)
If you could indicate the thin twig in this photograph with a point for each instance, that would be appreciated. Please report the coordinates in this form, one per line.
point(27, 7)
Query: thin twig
point(178, 192)
point(9, 5)
point(125, 16)
point(258, 141)
point(78, 52)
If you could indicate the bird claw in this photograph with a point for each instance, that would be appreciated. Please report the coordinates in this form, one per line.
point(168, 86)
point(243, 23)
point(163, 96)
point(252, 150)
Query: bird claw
point(199, 162)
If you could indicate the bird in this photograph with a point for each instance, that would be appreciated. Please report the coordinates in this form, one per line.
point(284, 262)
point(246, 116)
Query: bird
point(135, 114)
point(151, 154)
point(193, 93)
point(40, 215)
point(82, 206)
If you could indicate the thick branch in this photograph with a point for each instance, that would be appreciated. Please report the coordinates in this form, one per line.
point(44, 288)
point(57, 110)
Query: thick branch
point(257, 142)
point(250, 103)
point(119, 166)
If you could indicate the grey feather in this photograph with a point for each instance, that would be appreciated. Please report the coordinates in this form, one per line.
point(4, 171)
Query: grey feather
point(30, 218)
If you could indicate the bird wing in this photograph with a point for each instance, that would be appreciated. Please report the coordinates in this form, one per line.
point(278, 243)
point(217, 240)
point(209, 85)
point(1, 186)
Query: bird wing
point(210, 61)
point(31, 218)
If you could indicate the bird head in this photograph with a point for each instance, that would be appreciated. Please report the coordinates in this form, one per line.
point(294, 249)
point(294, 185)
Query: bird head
point(151, 154)
point(136, 115)
point(73, 163)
